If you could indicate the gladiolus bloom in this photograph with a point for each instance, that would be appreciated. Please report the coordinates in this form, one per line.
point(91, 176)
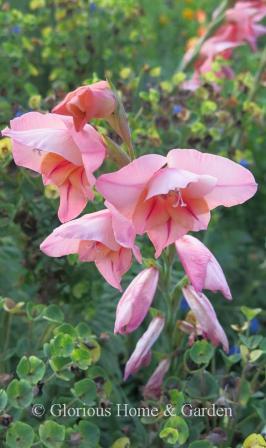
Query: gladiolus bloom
point(208, 324)
point(166, 197)
point(136, 301)
point(241, 26)
point(87, 102)
point(242, 21)
point(154, 385)
point(141, 356)
point(49, 144)
point(201, 267)
point(92, 237)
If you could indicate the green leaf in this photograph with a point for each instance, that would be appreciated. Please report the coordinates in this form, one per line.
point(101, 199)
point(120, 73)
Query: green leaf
point(19, 393)
point(52, 435)
point(31, 369)
point(83, 330)
point(85, 390)
point(244, 392)
point(122, 442)
point(19, 435)
point(59, 366)
point(202, 385)
point(170, 435)
point(90, 435)
point(250, 313)
point(181, 426)
point(65, 329)
point(252, 341)
point(3, 399)
point(54, 314)
point(255, 355)
point(200, 444)
point(177, 398)
point(82, 357)
point(201, 352)
point(62, 345)
point(263, 344)
point(34, 312)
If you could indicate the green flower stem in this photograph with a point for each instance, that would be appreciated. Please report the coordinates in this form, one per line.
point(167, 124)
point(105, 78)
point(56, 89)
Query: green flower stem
point(7, 326)
point(258, 76)
point(253, 91)
point(212, 26)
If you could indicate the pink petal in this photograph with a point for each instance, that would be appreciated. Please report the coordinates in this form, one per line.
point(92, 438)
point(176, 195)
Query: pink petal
point(91, 227)
point(44, 132)
point(167, 179)
point(72, 202)
point(54, 246)
point(201, 267)
point(141, 354)
point(206, 317)
point(136, 301)
point(114, 266)
point(91, 146)
point(123, 188)
point(153, 386)
point(235, 183)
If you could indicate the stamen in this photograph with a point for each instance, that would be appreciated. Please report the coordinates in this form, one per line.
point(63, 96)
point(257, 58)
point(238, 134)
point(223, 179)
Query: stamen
point(179, 200)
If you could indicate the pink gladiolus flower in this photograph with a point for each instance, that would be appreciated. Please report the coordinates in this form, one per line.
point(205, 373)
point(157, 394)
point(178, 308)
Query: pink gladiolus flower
point(166, 197)
point(208, 324)
point(87, 102)
point(136, 301)
point(154, 385)
point(49, 144)
point(201, 267)
point(241, 26)
point(242, 21)
point(141, 356)
point(92, 237)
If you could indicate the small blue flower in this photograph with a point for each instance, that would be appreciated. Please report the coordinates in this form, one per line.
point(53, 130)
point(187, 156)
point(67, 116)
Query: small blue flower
point(184, 305)
point(254, 326)
point(244, 163)
point(93, 7)
point(16, 29)
point(177, 108)
point(18, 113)
point(234, 350)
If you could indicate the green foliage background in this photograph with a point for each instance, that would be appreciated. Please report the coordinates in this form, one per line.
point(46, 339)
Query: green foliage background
point(49, 47)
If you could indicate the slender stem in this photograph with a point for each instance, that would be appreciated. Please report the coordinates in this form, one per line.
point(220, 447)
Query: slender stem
point(258, 76)
point(211, 27)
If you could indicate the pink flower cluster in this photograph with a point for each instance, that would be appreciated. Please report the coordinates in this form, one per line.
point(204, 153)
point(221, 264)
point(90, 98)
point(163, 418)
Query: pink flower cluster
point(241, 26)
point(164, 197)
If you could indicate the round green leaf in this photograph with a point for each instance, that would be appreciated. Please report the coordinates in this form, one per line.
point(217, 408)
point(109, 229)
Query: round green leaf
point(19, 393)
point(122, 442)
point(62, 345)
point(52, 435)
point(200, 444)
point(170, 435)
point(85, 390)
point(31, 369)
point(54, 314)
point(65, 329)
point(201, 352)
point(82, 357)
point(202, 385)
point(181, 426)
point(90, 435)
point(19, 435)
